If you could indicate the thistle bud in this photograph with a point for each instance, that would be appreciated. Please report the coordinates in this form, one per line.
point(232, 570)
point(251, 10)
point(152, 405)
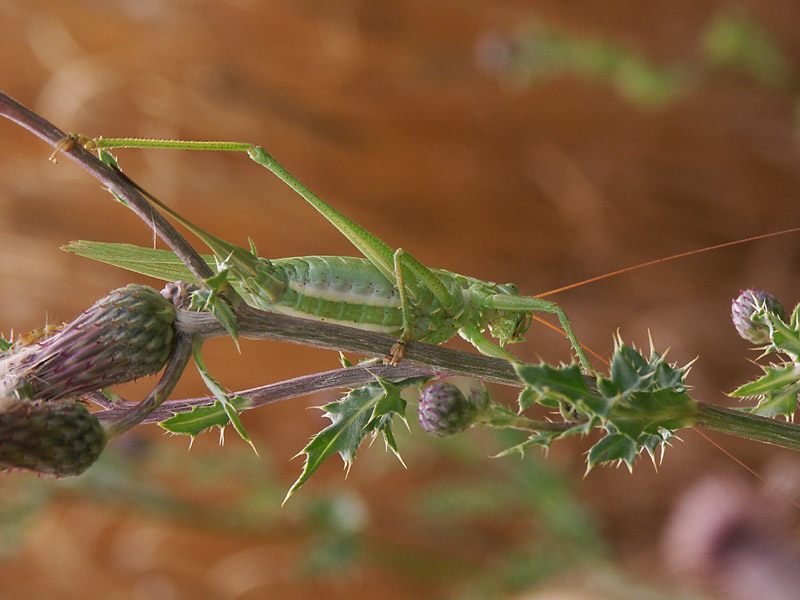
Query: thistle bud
point(746, 305)
point(58, 438)
point(126, 335)
point(445, 410)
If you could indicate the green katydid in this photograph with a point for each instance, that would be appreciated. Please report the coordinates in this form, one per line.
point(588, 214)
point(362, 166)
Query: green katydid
point(388, 291)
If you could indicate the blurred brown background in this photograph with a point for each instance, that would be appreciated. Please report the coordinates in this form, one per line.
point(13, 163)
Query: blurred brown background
point(461, 132)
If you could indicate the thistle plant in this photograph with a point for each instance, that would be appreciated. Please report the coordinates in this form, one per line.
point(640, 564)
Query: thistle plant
point(634, 409)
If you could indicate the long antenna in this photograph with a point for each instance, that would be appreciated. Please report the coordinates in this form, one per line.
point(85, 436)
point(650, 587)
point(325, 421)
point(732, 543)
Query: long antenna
point(659, 261)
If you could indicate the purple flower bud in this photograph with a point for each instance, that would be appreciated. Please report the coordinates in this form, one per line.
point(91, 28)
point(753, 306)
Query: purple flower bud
point(746, 305)
point(58, 438)
point(126, 335)
point(444, 410)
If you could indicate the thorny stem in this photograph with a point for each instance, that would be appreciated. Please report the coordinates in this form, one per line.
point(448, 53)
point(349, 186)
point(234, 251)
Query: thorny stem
point(256, 324)
point(745, 425)
point(301, 386)
point(275, 392)
point(432, 360)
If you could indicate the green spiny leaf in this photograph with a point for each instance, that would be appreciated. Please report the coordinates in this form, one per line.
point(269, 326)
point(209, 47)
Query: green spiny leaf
point(526, 398)
point(774, 379)
point(388, 406)
point(783, 337)
point(647, 411)
point(667, 376)
point(794, 321)
point(563, 384)
point(363, 410)
point(543, 439)
point(109, 159)
point(614, 447)
point(203, 418)
point(221, 394)
point(651, 442)
point(778, 403)
point(344, 361)
point(630, 371)
point(349, 417)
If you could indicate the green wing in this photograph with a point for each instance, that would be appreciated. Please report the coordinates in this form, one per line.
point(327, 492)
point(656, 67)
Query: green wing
point(161, 264)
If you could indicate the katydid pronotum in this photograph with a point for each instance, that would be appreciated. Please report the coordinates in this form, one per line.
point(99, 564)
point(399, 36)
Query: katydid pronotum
point(388, 291)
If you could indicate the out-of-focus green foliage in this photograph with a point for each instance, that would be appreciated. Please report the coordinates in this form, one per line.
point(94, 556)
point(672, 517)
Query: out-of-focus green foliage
point(738, 42)
point(733, 41)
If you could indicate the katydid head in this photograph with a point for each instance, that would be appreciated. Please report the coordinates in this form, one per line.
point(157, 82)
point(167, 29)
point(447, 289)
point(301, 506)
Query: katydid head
point(508, 326)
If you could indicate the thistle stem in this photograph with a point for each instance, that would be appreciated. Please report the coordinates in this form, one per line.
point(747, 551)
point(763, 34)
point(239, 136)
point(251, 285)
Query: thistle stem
point(748, 426)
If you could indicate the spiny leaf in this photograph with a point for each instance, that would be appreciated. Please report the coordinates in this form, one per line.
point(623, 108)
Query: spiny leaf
point(773, 380)
point(649, 410)
point(209, 299)
point(221, 394)
point(109, 159)
point(390, 405)
point(630, 371)
point(652, 442)
point(203, 418)
point(349, 417)
point(778, 403)
point(526, 398)
point(543, 439)
point(344, 361)
point(563, 384)
point(783, 337)
point(363, 410)
point(668, 376)
point(614, 447)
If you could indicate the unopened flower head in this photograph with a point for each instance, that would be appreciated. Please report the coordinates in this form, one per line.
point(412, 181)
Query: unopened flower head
point(747, 305)
point(54, 437)
point(445, 410)
point(126, 335)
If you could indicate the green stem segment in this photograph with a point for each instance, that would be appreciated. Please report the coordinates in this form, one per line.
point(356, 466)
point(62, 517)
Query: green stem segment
point(748, 426)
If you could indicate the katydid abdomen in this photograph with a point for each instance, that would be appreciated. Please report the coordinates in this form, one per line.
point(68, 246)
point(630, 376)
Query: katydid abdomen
point(351, 291)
